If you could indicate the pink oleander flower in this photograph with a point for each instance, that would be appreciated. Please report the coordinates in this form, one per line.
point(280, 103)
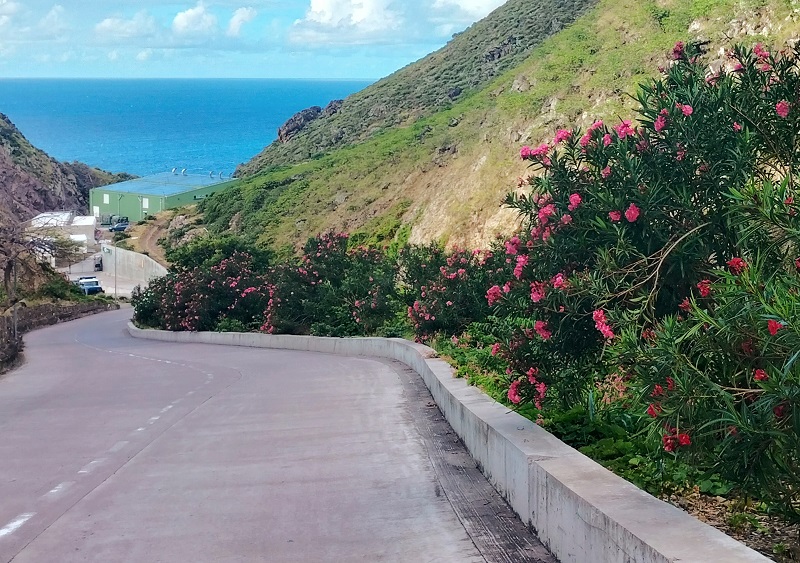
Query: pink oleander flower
point(546, 212)
point(607, 140)
point(615, 215)
point(512, 246)
point(660, 123)
point(624, 129)
point(586, 139)
point(525, 152)
point(507, 287)
point(737, 265)
point(493, 295)
point(632, 213)
point(559, 281)
point(677, 51)
point(760, 375)
point(513, 392)
point(760, 52)
point(566, 219)
point(574, 201)
point(542, 330)
point(774, 327)
point(541, 150)
point(522, 261)
point(654, 409)
point(495, 348)
point(704, 287)
point(538, 291)
point(562, 135)
point(684, 440)
point(596, 125)
point(606, 172)
point(532, 373)
point(736, 126)
point(782, 108)
point(686, 109)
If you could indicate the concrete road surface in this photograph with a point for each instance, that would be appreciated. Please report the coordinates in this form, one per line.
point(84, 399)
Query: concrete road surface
point(121, 450)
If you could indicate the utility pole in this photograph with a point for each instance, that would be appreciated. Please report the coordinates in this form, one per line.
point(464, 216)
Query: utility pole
point(14, 300)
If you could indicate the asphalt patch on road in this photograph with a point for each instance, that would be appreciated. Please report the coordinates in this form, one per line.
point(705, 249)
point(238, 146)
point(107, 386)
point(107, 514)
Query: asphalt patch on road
point(497, 532)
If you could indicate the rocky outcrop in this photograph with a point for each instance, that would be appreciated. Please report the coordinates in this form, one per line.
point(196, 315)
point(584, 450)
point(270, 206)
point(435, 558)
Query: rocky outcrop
point(297, 123)
point(32, 182)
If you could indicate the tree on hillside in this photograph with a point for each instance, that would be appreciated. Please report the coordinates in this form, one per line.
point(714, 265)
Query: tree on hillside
point(24, 248)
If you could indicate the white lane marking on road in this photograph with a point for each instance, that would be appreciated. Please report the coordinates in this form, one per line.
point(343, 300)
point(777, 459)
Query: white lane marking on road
point(15, 524)
point(153, 419)
point(118, 446)
point(91, 465)
point(190, 393)
point(165, 409)
point(58, 489)
point(176, 401)
point(140, 429)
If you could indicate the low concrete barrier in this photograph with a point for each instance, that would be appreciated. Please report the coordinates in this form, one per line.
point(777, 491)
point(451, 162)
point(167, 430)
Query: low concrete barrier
point(581, 511)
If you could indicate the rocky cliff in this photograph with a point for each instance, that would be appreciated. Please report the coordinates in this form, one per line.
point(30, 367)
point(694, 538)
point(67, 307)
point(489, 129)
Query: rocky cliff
point(32, 182)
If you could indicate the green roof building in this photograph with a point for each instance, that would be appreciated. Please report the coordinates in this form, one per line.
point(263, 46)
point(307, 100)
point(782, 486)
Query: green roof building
point(138, 198)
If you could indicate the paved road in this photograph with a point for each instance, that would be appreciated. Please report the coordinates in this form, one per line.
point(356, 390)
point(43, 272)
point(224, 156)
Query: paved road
point(114, 449)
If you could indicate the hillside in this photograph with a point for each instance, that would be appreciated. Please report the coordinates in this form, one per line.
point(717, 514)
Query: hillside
point(33, 182)
point(442, 177)
point(465, 65)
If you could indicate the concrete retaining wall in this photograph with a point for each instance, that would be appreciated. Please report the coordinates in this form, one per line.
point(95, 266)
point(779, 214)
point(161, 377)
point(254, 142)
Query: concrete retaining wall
point(581, 511)
point(130, 265)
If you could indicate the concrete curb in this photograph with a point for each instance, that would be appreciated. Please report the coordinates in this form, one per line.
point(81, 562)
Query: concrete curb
point(581, 511)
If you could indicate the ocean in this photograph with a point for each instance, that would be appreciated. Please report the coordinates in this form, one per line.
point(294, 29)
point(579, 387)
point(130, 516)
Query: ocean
point(148, 126)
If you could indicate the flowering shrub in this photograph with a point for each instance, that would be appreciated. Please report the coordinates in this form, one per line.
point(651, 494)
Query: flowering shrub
point(444, 291)
point(333, 291)
point(623, 221)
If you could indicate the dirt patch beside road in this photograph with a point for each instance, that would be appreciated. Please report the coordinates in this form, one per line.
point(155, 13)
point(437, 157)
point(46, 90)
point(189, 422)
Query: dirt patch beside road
point(144, 238)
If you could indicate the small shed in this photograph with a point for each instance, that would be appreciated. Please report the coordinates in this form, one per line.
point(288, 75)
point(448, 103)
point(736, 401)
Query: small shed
point(140, 197)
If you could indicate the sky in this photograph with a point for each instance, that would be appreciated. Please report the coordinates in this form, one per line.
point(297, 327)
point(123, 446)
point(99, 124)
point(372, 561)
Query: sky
point(319, 39)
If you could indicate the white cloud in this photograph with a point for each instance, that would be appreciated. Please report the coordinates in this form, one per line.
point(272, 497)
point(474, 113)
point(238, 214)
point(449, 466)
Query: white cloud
point(474, 8)
point(144, 55)
point(141, 25)
point(113, 55)
point(195, 21)
point(347, 22)
point(54, 22)
point(239, 18)
point(9, 8)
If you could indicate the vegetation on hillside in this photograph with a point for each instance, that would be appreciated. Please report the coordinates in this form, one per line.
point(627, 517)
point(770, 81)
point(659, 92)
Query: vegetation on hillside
point(468, 62)
point(453, 167)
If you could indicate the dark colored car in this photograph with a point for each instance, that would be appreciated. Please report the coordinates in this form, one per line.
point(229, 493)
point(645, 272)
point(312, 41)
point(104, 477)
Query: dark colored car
point(118, 228)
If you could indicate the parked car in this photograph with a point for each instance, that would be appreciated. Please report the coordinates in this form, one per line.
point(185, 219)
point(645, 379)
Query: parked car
point(118, 228)
point(89, 285)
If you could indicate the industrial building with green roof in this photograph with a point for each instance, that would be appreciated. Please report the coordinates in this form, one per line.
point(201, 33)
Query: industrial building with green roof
point(138, 198)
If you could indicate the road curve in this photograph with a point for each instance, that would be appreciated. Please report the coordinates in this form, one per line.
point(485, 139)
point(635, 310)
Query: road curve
point(114, 449)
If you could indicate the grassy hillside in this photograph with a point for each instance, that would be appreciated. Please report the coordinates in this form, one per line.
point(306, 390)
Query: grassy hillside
point(442, 177)
point(465, 65)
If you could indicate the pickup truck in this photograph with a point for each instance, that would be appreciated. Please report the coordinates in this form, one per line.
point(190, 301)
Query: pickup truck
point(89, 285)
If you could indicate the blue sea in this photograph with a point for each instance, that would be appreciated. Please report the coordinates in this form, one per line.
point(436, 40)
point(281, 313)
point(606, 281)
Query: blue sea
point(148, 126)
